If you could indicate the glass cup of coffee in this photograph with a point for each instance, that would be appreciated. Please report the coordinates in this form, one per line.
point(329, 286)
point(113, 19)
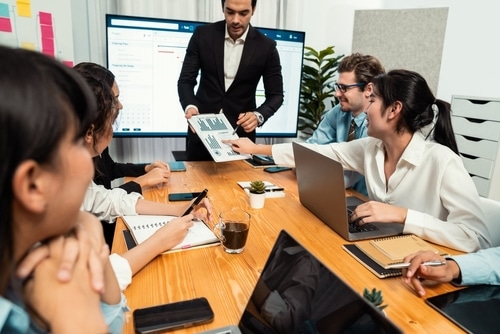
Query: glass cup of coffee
point(232, 230)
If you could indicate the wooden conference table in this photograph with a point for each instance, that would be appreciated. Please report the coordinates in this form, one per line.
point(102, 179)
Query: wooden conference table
point(227, 280)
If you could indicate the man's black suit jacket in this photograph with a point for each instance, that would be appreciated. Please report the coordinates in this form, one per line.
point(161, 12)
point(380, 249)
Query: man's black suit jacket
point(205, 53)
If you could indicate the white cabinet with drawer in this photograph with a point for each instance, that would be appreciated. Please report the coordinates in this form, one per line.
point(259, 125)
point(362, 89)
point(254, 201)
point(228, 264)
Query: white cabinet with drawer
point(476, 122)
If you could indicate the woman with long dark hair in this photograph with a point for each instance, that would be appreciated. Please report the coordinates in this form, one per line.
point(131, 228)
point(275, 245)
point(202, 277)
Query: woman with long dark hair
point(410, 160)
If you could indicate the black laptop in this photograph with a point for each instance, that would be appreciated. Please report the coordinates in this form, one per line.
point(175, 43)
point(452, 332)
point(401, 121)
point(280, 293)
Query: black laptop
point(296, 293)
point(475, 309)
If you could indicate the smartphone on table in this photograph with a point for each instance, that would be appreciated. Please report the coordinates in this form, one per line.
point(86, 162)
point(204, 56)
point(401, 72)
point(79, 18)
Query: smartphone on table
point(174, 197)
point(166, 317)
point(276, 169)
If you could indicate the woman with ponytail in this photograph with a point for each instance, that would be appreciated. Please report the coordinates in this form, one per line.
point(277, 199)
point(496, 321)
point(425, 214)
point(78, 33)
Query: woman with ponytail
point(410, 160)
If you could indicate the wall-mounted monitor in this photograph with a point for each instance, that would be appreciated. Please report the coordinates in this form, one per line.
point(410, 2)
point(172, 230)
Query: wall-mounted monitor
point(146, 55)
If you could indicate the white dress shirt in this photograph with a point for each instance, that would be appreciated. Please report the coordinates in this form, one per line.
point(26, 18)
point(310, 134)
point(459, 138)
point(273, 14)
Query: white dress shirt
point(430, 181)
point(232, 56)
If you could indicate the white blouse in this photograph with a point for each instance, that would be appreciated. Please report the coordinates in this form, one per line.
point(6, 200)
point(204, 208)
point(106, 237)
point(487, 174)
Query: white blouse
point(430, 181)
point(107, 204)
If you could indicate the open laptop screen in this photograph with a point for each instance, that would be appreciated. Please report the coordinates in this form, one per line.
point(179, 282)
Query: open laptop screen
point(296, 293)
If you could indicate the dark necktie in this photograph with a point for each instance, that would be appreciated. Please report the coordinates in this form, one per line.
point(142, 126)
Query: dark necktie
point(352, 130)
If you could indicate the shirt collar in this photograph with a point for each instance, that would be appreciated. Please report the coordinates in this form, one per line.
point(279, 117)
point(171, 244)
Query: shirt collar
point(414, 152)
point(359, 119)
point(242, 38)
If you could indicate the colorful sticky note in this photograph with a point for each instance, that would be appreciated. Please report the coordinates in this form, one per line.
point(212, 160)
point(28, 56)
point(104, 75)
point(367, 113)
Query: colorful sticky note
point(48, 46)
point(28, 46)
point(47, 31)
point(23, 8)
point(45, 18)
point(5, 24)
point(4, 10)
point(68, 63)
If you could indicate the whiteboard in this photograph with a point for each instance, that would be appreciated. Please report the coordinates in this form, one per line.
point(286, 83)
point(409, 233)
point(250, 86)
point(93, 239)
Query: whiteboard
point(39, 25)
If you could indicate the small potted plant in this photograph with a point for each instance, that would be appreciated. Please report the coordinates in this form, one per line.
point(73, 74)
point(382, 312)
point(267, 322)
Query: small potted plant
point(257, 194)
point(375, 297)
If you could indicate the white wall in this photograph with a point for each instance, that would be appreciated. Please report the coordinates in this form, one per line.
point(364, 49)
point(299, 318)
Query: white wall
point(471, 54)
point(328, 22)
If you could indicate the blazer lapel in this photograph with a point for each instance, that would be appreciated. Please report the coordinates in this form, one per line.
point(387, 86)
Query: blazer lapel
point(218, 43)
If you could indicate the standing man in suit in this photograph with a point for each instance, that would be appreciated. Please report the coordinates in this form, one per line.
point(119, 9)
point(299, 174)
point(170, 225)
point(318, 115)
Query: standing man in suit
point(231, 57)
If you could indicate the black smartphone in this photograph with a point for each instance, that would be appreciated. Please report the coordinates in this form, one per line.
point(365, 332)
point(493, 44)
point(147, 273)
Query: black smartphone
point(276, 169)
point(174, 197)
point(160, 318)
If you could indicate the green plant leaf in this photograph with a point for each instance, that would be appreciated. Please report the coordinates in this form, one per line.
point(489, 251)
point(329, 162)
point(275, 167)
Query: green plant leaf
point(317, 89)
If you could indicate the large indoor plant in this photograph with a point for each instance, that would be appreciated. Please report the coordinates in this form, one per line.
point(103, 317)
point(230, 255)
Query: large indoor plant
point(317, 87)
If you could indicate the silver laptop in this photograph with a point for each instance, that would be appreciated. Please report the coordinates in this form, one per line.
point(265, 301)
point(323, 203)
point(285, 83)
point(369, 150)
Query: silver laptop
point(322, 191)
point(296, 293)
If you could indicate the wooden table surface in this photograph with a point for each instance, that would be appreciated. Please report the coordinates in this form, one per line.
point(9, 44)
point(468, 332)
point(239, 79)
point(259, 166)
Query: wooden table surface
point(227, 280)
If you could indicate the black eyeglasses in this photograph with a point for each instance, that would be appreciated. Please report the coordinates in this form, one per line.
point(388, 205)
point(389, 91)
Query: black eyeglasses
point(344, 88)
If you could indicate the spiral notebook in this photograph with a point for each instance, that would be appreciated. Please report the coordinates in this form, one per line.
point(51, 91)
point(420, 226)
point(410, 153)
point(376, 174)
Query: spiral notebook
point(398, 247)
point(141, 227)
point(378, 254)
point(369, 263)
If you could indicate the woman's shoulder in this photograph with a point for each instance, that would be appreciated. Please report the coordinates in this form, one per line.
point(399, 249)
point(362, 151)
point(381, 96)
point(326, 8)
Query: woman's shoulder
point(437, 149)
point(442, 156)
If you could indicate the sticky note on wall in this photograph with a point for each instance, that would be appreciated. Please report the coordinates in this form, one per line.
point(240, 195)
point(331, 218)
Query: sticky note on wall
point(5, 22)
point(23, 8)
point(47, 33)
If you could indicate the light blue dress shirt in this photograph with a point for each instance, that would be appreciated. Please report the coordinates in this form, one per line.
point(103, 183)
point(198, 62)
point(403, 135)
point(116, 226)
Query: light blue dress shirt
point(14, 318)
point(482, 267)
point(334, 128)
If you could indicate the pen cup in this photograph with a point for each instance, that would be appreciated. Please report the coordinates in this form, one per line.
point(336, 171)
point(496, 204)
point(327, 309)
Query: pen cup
point(232, 230)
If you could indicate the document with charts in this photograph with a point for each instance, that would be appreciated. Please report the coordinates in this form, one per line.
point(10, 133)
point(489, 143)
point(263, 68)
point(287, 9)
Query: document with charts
point(212, 129)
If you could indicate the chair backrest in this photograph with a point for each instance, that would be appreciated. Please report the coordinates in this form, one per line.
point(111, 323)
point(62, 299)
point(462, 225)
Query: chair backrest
point(491, 209)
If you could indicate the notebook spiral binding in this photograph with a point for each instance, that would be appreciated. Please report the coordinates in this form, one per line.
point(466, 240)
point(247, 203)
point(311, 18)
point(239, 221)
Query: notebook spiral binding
point(149, 226)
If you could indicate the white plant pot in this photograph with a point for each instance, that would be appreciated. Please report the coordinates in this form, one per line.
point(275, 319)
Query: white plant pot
point(257, 200)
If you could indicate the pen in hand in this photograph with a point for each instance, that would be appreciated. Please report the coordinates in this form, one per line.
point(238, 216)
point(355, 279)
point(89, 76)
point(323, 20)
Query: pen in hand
point(195, 202)
point(407, 264)
point(238, 126)
point(236, 129)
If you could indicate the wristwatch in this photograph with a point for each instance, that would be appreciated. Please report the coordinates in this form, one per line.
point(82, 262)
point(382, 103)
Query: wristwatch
point(260, 118)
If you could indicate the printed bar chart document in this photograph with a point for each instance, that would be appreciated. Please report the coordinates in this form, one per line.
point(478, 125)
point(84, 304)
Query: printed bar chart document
point(212, 129)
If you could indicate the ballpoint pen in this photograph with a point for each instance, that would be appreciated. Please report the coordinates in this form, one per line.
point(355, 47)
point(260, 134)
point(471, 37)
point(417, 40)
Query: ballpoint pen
point(407, 264)
point(195, 202)
point(238, 126)
point(236, 129)
point(271, 190)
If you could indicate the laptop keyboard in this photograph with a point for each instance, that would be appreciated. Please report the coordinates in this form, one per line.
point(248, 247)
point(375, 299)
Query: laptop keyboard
point(354, 227)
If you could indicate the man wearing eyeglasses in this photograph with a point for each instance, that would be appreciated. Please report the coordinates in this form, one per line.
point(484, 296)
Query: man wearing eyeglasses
point(346, 121)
